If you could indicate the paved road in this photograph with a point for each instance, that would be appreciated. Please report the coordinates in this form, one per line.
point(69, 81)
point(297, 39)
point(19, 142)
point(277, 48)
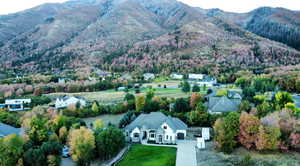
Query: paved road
point(186, 153)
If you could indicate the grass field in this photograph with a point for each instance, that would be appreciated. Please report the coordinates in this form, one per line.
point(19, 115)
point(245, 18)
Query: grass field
point(141, 155)
point(113, 97)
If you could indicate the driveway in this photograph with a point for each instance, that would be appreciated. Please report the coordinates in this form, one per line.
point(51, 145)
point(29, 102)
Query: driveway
point(186, 153)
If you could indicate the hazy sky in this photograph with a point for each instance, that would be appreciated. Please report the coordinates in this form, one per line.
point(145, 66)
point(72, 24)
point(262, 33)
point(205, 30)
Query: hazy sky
point(11, 6)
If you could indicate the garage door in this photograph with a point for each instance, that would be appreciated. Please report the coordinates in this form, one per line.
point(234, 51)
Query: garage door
point(180, 135)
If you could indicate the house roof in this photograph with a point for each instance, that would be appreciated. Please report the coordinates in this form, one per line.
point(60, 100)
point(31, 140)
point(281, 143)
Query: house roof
point(234, 94)
point(223, 104)
point(296, 99)
point(65, 98)
point(208, 79)
point(154, 120)
point(7, 130)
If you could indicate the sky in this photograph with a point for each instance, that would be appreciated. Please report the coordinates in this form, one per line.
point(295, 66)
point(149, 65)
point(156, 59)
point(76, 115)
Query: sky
point(11, 6)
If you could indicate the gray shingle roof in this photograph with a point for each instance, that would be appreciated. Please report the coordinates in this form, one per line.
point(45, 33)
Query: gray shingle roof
point(7, 130)
point(296, 99)
point(223, 104)
point(154, 120)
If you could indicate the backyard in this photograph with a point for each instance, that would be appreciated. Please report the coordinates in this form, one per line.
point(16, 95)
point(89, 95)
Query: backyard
point(140, 155)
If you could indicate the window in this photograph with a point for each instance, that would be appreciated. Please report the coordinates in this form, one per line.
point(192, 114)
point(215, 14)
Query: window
point(152, 135)
point(136, 135)
point(170, 137)
point(165, 127)
point(167, 137)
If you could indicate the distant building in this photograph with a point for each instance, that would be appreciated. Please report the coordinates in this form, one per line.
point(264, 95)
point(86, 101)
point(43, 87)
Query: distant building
point(157, 128)
point(63, 80)
point(126, 77)
point(17, 104)
point(65, 101)
point(195, 76)
point(122, 88)
point(222, 104)
point(207, 82)
point(176, 76)
point(217, 105)
point(148, 76)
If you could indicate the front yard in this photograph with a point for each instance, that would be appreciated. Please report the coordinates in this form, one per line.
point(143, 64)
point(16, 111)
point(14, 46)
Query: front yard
point(140, 155)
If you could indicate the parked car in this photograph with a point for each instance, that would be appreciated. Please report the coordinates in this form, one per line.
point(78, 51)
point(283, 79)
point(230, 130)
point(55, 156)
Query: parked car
point(65, 152)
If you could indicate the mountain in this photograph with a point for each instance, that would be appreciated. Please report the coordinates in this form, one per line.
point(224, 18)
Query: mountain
point(277, 24)
point(128, 35)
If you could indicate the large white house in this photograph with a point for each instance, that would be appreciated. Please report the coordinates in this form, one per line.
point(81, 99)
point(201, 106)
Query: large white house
point(207, 82)
point(156, 128)
point(16, 104)
point(149, 76)
point(196, 76)
point(65, 101)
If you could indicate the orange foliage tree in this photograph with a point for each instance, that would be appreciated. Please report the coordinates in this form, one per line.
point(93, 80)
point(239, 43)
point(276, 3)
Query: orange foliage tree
point(249, 125)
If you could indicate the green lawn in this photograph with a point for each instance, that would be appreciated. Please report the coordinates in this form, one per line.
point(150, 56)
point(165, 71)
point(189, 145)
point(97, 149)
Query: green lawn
point(141, 155)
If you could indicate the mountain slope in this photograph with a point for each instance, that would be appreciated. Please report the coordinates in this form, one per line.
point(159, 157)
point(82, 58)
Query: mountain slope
point(201, 44)
point(127, 35)
point(277, 24)
point(16, 24)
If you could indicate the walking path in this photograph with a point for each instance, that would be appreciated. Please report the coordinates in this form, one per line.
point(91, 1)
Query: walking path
point(186, 153)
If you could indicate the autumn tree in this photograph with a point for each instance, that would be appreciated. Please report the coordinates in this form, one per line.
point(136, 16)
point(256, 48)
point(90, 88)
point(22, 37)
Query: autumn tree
point(282, 98)
point(268, 138)
point(82, 145)
point(295, 140)
point(195, 99)
point(63, 134)
point(37, 131)
point(98, 124)
point(264, 109)
point(11, 148)
point(139, 103)
point(249, 125)
point(226, 132)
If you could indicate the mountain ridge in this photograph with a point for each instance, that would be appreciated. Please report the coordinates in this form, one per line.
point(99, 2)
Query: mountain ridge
point(125, 34)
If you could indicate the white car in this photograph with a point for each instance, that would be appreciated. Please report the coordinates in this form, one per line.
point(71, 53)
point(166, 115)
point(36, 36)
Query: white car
point(65, 152)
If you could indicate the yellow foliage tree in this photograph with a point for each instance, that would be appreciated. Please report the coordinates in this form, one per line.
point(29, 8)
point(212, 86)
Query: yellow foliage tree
point(82, 145)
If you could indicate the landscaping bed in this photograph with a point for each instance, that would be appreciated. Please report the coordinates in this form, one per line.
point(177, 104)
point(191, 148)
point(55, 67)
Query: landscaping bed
point(140, 155)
